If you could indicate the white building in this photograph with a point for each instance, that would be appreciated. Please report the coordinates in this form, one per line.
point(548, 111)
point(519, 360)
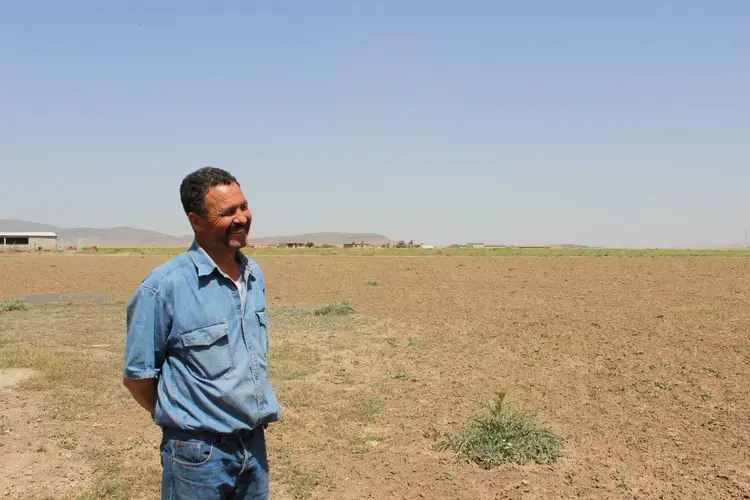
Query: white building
point(27, 241)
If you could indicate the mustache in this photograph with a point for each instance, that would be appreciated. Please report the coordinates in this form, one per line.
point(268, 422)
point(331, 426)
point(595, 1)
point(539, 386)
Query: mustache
point(234, 227)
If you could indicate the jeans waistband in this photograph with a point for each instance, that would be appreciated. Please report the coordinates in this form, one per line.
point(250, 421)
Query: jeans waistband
point(184, 434)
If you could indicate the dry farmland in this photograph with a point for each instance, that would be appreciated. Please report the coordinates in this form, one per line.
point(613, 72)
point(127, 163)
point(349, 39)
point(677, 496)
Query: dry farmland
point(641, 365)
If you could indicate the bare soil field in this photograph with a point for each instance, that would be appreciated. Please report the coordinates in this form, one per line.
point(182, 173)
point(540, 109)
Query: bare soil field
point(640, 365)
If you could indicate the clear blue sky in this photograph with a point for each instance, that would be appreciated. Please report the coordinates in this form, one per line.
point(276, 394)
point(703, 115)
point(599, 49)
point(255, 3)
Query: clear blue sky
point(619, 123)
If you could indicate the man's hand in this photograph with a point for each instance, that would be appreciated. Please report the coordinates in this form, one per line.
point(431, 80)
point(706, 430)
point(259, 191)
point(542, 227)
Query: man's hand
point(143, 391)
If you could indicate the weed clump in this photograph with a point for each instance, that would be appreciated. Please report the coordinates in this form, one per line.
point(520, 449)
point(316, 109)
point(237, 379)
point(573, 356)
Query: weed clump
point(506, 434)
point(12, 305)
point(336, 308)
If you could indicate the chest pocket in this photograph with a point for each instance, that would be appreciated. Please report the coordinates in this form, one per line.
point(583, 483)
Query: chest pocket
point(208, 353)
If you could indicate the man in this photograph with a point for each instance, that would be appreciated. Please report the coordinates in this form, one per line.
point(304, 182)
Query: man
point(195, 352)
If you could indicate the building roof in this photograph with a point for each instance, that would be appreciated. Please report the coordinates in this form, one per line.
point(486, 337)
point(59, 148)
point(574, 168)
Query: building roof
point(30, 234)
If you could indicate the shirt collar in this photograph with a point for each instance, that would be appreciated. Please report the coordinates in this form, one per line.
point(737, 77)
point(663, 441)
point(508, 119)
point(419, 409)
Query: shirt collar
point(206, 265)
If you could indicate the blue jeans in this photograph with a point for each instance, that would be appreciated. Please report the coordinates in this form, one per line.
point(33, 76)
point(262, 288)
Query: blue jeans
point(207, 466)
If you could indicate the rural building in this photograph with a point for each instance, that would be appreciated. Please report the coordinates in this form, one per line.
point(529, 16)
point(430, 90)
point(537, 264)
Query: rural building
point(292, 244)
point(355, 244)
point(20, 241)
point(475, 245)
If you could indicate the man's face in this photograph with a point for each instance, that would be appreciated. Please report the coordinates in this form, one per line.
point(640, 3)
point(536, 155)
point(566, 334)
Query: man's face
point(226, 219)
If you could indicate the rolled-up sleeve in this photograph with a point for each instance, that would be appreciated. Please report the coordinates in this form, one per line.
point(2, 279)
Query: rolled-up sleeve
point(147, 328)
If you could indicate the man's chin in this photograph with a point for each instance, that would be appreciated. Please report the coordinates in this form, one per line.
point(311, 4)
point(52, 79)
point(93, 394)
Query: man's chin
point(235, 243)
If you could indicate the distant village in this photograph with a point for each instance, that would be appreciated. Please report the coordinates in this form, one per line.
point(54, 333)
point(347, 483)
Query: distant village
point(399, 244)
point(50, 241)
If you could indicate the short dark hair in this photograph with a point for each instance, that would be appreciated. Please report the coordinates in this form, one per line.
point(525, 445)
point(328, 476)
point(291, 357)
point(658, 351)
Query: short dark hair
point(196, 184)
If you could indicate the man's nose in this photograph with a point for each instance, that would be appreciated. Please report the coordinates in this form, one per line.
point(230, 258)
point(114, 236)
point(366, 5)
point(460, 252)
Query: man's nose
point(240, 218)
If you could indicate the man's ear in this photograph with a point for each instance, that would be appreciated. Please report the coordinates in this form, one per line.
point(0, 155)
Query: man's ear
point(195, 221)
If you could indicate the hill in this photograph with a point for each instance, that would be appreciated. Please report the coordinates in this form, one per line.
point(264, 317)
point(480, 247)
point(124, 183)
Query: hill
point(128, 236)
point(114, 236)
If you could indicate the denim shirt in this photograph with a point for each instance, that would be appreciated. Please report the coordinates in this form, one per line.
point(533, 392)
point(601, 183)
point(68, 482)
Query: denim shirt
point(187, 327)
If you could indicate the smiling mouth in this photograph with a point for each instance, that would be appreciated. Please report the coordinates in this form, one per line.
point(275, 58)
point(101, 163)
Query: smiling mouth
point(239, 230)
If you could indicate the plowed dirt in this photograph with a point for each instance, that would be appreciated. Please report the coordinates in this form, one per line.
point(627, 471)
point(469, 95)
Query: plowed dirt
point(639, 364)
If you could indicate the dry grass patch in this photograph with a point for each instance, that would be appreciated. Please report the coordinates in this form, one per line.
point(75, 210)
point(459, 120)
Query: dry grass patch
point(336, 308)
point(364, 408)
point(77, 392)
point(12, 305)
point(300, 481)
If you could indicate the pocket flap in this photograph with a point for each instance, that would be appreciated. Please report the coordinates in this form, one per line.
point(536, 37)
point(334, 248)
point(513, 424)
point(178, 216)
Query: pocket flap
point(205, 336)
point(262, 317)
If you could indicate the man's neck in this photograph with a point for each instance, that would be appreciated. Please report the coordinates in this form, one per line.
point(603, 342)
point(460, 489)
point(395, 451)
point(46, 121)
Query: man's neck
point(226, 260)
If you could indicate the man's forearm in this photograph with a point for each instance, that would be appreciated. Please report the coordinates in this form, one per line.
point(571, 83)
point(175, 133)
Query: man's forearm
point(143, 391)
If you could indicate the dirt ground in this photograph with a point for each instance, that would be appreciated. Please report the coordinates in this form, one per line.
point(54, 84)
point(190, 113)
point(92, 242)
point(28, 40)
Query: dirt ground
point(639, 364)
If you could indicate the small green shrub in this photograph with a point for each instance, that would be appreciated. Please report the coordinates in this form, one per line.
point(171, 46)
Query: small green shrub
point(12, 305)
point(372, 283)
point(506, 434)
point(336, 308)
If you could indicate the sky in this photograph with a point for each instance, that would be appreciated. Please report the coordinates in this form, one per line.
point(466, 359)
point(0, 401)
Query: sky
point(623, 123)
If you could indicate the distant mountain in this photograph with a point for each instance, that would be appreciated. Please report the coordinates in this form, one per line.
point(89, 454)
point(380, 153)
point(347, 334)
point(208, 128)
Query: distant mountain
point(114, 236)
point(129, 236)
point(22, 225)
